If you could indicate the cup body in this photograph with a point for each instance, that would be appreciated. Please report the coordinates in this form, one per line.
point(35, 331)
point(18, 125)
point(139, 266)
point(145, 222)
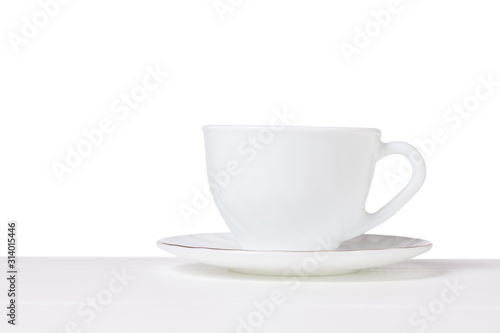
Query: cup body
point(291, 188)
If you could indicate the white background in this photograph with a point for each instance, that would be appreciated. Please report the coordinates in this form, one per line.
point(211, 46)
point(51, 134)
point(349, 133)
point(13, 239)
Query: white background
point(264, 55)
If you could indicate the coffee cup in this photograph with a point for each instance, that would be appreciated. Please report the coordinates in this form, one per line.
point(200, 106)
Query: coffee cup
point(295, 188)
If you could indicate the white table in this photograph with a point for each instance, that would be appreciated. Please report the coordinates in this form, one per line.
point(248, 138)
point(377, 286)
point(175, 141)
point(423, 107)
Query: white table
point(173, 295)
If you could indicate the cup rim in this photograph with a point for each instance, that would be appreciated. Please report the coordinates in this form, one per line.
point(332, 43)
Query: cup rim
point(290, 128)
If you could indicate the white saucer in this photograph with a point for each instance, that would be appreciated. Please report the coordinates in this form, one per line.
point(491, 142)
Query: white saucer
point(365, 251)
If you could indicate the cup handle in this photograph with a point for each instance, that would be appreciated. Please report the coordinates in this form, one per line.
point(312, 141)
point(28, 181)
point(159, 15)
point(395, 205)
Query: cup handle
point(417, 179)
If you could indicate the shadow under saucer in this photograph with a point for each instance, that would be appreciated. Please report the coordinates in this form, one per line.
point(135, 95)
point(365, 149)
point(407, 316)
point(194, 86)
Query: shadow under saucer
point(409, 270)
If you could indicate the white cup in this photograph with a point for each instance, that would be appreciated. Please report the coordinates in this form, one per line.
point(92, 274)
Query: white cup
point(300, 188)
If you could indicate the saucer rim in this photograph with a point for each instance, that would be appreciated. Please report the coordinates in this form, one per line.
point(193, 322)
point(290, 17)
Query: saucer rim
point(429, 244)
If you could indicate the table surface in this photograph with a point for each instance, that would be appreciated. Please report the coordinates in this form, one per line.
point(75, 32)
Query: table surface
point(173, 295)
